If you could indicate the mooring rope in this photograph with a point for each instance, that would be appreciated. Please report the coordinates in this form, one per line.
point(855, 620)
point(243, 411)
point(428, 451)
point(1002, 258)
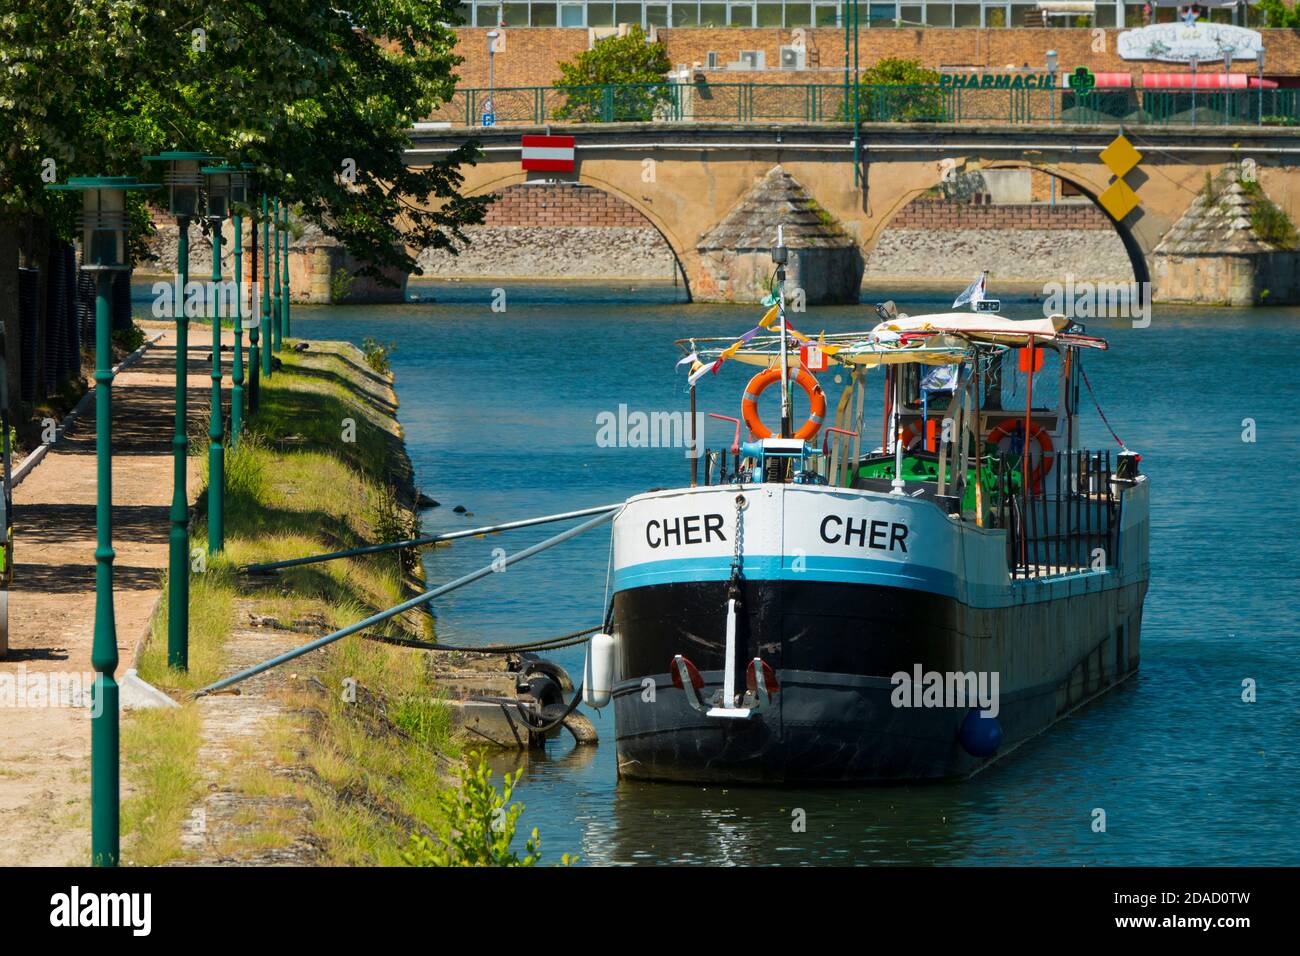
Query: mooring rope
point(1093, 396)
point(549, 644)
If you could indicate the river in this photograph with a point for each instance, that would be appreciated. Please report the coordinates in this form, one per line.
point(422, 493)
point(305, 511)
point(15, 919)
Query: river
point(500, 411)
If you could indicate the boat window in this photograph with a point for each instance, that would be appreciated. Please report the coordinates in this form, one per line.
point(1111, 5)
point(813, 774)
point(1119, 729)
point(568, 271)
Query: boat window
point(938, 382)
point(1005, 384)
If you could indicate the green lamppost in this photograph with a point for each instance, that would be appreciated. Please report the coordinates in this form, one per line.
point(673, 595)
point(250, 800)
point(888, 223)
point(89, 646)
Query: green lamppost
point(284, 226)
point(235, 179)
point(254, 328)
point(266, 289)
point(276, 314)
point(218, 210)
point(104, 225)
point(183, 181)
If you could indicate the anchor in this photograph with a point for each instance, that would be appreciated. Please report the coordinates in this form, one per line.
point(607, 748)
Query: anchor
point(760, 679)
point(761, 688)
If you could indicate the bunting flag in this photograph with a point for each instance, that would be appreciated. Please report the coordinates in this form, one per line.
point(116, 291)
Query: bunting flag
point(703, 370)
point(700, 369)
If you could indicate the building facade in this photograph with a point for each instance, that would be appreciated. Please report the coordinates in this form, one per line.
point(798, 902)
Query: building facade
point(790, 14)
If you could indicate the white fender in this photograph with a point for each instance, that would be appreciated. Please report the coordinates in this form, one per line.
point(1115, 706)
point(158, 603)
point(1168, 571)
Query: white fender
point(598, 671)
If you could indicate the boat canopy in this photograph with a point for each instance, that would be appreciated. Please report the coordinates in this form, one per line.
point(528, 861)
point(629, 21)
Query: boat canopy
point(945, 338)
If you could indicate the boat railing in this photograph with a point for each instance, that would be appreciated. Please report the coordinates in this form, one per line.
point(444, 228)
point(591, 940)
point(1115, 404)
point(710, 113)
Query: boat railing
point(1064, 519)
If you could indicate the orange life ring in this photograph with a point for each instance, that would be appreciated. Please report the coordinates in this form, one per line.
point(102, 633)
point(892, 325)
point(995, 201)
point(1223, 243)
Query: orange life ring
point(911, 438)
point(805, 380)
point(1046, 459)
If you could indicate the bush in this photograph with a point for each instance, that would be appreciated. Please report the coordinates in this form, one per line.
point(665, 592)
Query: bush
point(340, 285)
point(391, 523)
point(481, 825)
point(627, 61)
point(128, 340)
point(378, 356)
point(920, 99)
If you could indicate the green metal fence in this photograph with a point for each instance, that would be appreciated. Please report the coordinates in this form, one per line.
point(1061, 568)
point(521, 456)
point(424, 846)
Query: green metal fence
point(826, 103)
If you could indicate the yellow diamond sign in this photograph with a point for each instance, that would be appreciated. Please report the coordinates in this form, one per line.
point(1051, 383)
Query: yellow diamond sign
point(1118, 199)
point(1120, 156)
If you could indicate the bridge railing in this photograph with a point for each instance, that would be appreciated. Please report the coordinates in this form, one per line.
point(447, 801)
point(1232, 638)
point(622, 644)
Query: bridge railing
point(828, 103)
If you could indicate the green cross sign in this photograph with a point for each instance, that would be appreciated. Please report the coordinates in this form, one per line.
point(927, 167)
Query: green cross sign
point(1082, 80)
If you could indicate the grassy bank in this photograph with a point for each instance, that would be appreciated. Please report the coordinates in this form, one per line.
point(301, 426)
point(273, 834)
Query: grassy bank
point(355, 748)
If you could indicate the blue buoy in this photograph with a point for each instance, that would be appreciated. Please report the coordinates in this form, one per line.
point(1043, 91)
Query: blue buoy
point(980, 736)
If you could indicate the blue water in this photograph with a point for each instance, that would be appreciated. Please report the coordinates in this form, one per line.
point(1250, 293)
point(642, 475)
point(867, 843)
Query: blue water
point(500, 416)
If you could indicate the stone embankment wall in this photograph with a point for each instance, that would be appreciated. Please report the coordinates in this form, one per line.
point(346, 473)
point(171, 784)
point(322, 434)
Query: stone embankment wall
point(568, 232)
point(557, 232)
point(1030, 242)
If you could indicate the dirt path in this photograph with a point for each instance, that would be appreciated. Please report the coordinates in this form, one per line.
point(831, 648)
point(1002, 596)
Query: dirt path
point(238, 737)
point(45, 750)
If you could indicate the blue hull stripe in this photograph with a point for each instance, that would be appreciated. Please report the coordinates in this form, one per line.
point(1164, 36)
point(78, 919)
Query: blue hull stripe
point(773, 567)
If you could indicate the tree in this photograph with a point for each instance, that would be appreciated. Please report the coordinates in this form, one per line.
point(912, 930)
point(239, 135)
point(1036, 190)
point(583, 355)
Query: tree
point(296, 87)
point(918, 100)
point(620, 78)
point(1278, 15)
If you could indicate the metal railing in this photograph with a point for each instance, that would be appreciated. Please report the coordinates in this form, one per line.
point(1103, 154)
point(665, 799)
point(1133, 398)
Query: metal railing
point(826, 103)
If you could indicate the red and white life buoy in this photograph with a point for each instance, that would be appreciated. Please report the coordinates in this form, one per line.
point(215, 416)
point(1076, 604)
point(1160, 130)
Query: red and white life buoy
point(1038, 433)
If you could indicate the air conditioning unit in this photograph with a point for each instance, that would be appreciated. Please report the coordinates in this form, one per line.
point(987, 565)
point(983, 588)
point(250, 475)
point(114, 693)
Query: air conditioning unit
point(711, 60)
point(792, 57)
point(752, 59)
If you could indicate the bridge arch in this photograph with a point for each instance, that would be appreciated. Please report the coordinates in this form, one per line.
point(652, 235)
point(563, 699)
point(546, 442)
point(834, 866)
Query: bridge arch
point(682, 254)
point(926, 176)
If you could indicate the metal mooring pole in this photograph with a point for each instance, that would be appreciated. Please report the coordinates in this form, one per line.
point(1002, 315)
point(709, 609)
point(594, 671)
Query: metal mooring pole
point(420, 542)
point(482, 572)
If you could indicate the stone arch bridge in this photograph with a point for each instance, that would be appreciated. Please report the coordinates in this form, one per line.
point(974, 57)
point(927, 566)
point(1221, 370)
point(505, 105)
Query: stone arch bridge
point(686, 178)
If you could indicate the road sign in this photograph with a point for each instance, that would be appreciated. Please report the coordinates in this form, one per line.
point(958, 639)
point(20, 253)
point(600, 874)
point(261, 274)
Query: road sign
point(489, 119)
point(552, 154)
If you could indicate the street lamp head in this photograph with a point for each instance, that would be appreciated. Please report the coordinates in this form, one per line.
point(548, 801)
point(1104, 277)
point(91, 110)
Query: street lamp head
point(183, 181)
point(103, 220)
point(1051, 61)
point(1259, 59)
point(492, 41)
point(219, 191)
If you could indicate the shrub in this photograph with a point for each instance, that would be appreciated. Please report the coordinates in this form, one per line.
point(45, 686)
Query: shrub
point(481, 825)
point(128, 340)
point(390, 522)
point(377, 355)
point(920, 100)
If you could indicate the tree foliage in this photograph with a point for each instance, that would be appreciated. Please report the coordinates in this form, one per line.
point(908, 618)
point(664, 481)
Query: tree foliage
point(619, 78)
point(1278, 15)
point(296, 87)
point(918, 99)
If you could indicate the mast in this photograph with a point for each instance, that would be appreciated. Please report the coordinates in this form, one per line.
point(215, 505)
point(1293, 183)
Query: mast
point(779, 256)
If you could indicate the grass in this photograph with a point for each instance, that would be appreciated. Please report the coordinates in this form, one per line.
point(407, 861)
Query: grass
point(164, 772)
point(313, 474)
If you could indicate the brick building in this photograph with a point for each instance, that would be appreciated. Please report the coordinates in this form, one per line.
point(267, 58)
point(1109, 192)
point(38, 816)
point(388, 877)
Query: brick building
point(793, 42)
point(572, 14)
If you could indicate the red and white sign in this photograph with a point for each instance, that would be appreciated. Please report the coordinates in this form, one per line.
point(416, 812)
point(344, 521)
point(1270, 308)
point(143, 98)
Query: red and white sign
point(552, 154)
point(813, 358)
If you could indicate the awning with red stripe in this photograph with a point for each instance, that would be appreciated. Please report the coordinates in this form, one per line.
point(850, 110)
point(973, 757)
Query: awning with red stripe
point(1203, 81)
point(1113, 81)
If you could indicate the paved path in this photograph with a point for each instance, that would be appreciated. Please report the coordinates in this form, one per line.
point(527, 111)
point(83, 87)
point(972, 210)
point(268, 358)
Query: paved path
point(45, 751)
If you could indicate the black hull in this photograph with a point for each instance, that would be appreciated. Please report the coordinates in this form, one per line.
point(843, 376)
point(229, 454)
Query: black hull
point(834, 648)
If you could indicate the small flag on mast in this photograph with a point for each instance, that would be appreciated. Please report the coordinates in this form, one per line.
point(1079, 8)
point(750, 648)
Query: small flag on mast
point(974, 292)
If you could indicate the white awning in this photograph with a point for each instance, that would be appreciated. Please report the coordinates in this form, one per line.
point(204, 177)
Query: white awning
point(1067, 7)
